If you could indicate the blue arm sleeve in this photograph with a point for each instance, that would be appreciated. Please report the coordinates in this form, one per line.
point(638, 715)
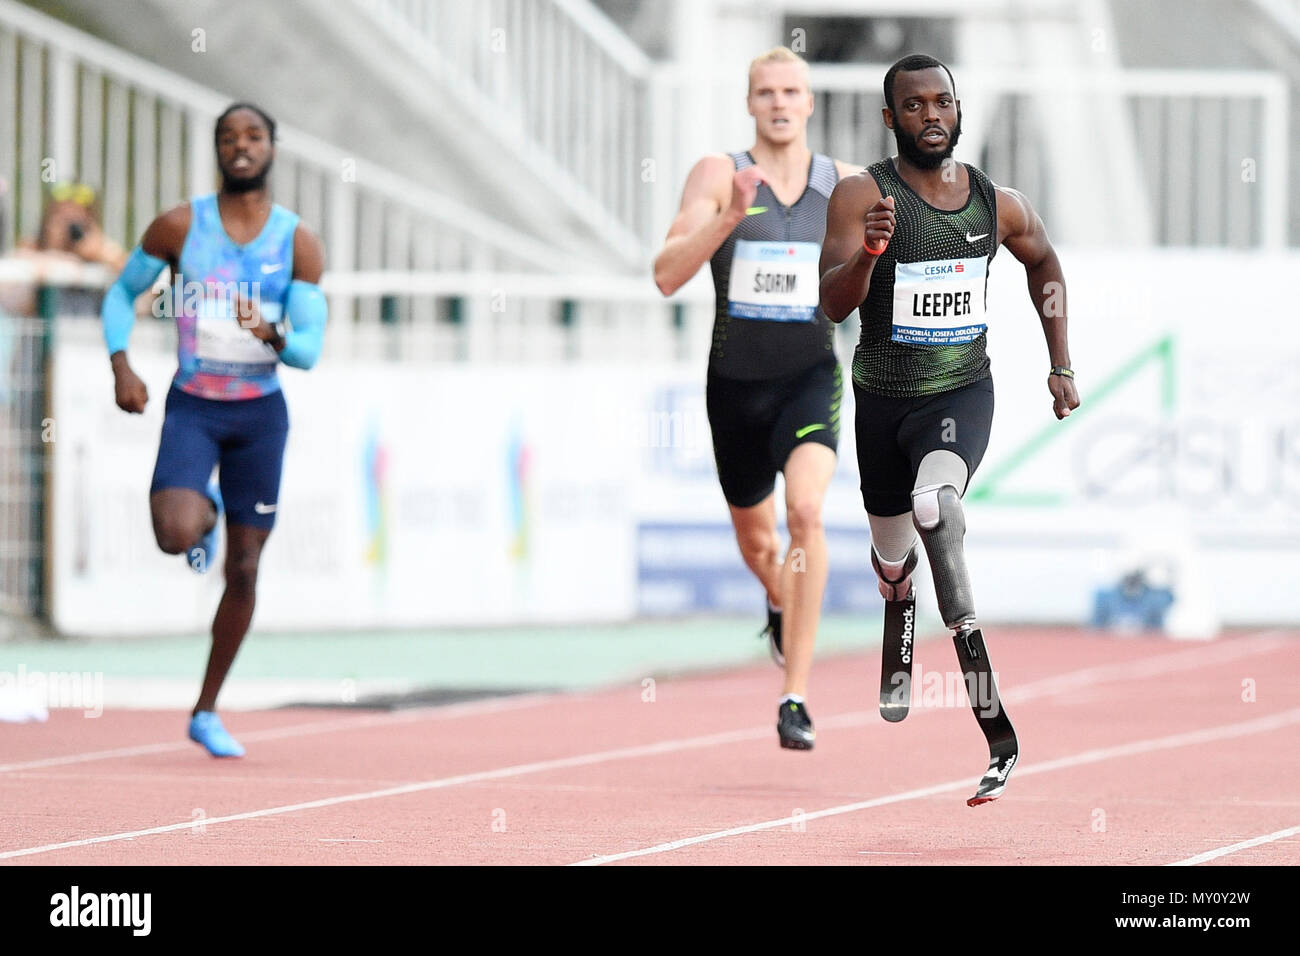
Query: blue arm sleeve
point(118, 311)
point(305, 307)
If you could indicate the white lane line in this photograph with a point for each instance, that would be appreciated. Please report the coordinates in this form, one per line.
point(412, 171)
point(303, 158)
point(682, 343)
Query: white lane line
point(541, 766)
point(1135, 670)
point(1040, 688)
point(1208, 735)
point(449, 711)
point(1243, 845)
point(1257, 643)
point(1261, 642)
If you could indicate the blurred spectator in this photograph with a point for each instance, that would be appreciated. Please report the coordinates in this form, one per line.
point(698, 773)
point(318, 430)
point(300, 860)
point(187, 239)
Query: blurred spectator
point(70, 224)
point(69, 234)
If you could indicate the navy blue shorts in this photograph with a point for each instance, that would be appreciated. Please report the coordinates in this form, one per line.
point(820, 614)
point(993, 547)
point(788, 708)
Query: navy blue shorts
point(244, 438)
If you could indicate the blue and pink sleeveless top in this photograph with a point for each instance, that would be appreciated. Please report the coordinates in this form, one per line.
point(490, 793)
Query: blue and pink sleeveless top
point(218, 358)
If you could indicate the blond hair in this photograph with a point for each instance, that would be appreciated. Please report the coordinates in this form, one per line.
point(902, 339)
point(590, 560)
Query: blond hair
point(778, 54)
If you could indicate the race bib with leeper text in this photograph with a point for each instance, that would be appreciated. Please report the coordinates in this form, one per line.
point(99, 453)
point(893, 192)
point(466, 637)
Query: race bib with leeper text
point(940, 302)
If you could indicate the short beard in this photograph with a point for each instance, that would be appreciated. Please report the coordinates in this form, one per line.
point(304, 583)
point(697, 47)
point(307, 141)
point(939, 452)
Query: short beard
point(229, 185)
point(908, 149)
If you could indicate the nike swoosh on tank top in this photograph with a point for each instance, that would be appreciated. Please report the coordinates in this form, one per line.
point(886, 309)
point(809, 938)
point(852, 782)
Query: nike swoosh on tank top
point(217, 358)
point(767, 321)
point(924, 319)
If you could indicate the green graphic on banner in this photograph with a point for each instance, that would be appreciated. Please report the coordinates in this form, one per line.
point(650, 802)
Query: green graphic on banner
point(986, 491)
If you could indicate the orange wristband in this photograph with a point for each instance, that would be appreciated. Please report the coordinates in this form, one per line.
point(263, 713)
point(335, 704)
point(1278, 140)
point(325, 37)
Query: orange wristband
point(875, 251)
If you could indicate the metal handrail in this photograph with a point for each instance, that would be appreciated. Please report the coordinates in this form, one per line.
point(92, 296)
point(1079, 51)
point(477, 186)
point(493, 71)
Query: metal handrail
point(119, 122)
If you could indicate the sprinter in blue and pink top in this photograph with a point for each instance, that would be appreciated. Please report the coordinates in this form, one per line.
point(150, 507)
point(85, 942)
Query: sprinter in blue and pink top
point(245, 298)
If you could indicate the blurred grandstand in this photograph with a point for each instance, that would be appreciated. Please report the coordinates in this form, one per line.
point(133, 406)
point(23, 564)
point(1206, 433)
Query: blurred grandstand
point(491, 179)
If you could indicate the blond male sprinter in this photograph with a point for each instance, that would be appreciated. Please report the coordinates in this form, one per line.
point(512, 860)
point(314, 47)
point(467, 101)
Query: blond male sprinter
point(774, 385)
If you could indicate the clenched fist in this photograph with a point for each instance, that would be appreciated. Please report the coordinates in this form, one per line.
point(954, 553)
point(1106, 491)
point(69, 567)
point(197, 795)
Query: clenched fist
point(744, 187)
point(879, 225)
point(129, 390)
point(1065, 397)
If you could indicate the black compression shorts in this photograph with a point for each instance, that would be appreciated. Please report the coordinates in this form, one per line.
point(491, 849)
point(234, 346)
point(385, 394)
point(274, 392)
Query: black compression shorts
point(894, 434)
point(756, 425)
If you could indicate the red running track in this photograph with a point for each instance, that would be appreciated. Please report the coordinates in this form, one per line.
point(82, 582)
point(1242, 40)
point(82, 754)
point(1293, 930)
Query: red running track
point(1133, 751)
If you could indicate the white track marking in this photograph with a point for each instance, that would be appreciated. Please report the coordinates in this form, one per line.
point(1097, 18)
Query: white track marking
point(692, 743)
point(446, 712)
point(1044, 687)
point(1147, 667)
point(1243, 845)
point(1140, 669)
point(1208, 735)
point(1259, 643)
point(541, 766)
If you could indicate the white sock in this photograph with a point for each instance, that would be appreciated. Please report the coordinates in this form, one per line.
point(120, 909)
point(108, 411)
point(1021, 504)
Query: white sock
point(790, 698)
point(772, 607)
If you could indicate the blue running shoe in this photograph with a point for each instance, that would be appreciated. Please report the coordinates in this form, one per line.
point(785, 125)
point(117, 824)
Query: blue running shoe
point(201, 556)
point(206, 729)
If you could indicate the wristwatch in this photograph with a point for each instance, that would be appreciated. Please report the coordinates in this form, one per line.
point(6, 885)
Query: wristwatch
point(278, 342)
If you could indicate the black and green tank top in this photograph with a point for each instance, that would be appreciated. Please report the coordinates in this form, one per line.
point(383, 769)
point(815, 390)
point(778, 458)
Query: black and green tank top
point(924, 318)
point(767, 321)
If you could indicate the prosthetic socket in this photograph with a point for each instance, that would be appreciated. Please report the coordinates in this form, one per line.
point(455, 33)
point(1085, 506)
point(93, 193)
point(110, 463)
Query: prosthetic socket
point(895, 577)
point(938, 516)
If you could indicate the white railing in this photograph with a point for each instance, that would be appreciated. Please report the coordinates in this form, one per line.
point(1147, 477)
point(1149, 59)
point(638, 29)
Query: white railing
point(574, 98)
point(24, 437)
point(560, 88)
point(74, 108)
point(520, 317)
point(481, 315)
point(1188, 132)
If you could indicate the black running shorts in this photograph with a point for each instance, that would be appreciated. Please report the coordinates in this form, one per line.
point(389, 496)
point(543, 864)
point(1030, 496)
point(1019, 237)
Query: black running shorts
point(894, 434)
point(757, 424)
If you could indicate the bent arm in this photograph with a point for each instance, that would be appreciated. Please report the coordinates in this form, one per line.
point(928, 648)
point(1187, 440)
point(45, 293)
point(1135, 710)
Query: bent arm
point(846, 266)
point(159, 246)
point(118, 310)
point(305, 304)
point(1026, 239)
point(703, 223)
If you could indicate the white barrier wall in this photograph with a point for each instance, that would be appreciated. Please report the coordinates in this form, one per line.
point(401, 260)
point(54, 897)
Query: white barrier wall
point(410, 497)
point(458, 494)
point(1187, 445)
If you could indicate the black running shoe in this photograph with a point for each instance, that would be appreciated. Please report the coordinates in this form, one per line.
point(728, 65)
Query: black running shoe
point(794, 726)
point(773, 634)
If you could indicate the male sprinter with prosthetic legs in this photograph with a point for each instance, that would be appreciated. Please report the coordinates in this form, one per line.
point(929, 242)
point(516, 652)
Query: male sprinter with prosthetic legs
point(773, 392)
point(240, 265)
point(908, 243)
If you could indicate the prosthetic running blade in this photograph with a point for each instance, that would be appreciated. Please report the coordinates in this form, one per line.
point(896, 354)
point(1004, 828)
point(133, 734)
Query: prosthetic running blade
point(1004, 748)
point(896, 653)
